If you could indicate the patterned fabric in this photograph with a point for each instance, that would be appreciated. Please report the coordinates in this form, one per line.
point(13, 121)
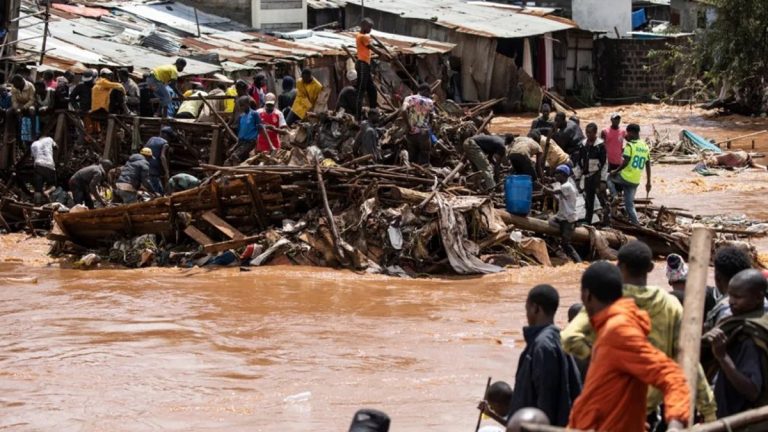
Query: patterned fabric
point(418, 108)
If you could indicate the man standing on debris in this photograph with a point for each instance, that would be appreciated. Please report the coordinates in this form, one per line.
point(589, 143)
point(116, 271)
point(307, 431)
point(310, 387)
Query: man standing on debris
point(347, 100)
point(565, 219)
point(543, 124)
point(589, 162)
point(85, 182)
point(80, 99)
point(367, 140)
point(107, 96)
point(44, 166)
point(365, 85)
point(635, 262)
point(134, 175)
point(132, 92)
point(286, 98)
point(625, 362)
point(613, 136)
point(486, 153)
point(159, 165)
point(272, 123)
point(568, 135)
point(249, 126)
point(417, 113)
point(636, 158)
point(307, 91)
point(162, 76)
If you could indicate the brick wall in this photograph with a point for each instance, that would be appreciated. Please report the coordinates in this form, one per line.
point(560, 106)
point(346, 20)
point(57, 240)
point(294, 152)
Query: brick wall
point(236, 10)
point(625, 68)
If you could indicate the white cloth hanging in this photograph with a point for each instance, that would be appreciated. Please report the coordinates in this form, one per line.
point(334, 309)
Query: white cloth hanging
point(527, 60)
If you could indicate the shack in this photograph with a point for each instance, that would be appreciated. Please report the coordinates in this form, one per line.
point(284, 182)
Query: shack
point(493, 42)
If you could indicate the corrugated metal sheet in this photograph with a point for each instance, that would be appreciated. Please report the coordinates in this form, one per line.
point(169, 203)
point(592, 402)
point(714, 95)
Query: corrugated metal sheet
point(81, 10)
point(486, 20)
point(322, 4)
point(59, 49)
point(161, 43)
point(175, 16)
point(96, 29)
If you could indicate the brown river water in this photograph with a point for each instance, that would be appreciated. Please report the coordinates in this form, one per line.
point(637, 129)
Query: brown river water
point(284, 348)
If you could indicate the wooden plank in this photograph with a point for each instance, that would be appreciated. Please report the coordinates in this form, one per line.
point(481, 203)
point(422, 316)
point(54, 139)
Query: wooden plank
point(231, 244)
point(693, 309)
point(222, 225)
point(110, 141)
point(215, 156)
point(197, 235)
point(61, 124)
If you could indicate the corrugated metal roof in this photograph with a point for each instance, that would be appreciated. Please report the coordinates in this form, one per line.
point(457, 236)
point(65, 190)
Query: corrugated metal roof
point(175, 16)
point(140, 58)
point(487, 20)
point(59, 49)
point(322, 4)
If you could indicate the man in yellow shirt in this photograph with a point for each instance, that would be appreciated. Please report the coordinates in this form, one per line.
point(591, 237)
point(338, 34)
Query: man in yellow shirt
point(165, 75)
point(307, 91)
point(107, 95)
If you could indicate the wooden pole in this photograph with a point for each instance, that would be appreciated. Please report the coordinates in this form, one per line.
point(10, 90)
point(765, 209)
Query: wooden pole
point(485, 396)
point(693, 310)
point(197, 22)
point(45, 29)
point(219, 118)
point(110, 140)
point(215, 157)
point(397, 62)
point(442, 184)
point(742, 137)
point(329, 213)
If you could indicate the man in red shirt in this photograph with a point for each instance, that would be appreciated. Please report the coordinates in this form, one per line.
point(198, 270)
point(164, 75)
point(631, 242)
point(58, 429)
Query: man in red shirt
point(365, 84)
point(273, 124)
point(613, 139)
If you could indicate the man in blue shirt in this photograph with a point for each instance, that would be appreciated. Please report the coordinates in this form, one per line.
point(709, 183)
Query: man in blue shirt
point(249, 126)
point(159, 169)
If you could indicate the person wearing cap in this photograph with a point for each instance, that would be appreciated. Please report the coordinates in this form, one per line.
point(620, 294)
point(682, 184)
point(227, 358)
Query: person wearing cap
point(417, 112)
point(273, 124)
point(307, 92)
point(636, 158)
point(365, 85)
point(191, 108)
point(162, 76)
point(542, 123)
point(107, 96)
point(566, 217)
point(85, 182)
point(367, 140)
point(159, 166)
point(133, 176)
point(590, 165)
point(347, 101)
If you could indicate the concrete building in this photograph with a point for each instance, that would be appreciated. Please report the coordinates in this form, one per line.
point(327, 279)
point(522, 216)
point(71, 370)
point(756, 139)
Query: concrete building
point(264, 15)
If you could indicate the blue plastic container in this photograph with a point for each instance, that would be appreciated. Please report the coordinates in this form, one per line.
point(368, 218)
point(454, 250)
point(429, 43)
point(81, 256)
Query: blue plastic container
point(518, 192)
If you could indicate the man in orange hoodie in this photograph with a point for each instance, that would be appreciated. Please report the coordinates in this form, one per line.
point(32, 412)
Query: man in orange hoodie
point(623, 362)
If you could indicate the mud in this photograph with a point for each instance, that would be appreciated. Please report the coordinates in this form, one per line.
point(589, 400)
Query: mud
point(192, 349)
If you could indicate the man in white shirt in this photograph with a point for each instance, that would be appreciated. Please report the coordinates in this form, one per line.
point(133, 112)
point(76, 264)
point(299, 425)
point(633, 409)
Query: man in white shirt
point(566, 217)
point(45, 167)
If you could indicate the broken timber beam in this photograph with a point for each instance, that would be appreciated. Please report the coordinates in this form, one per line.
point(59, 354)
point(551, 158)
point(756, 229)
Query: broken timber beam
point(231, 244)
point(198, 236)
point(222, 225)
point(580, 235)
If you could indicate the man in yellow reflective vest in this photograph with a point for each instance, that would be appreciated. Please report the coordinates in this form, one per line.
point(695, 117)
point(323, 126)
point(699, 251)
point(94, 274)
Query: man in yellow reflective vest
point(637, 157)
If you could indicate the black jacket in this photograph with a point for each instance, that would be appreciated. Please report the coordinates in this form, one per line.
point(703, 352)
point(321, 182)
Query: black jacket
point(584, 153)
point(547, 378)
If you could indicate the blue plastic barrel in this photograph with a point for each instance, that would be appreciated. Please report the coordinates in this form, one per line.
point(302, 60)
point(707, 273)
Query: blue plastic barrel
point(518, 192)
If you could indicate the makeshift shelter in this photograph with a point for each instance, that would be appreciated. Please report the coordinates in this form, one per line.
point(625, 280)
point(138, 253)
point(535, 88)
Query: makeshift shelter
point(492, 40)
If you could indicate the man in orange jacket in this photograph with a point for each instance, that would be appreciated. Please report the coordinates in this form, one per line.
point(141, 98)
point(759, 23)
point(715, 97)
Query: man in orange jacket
point(623, 362)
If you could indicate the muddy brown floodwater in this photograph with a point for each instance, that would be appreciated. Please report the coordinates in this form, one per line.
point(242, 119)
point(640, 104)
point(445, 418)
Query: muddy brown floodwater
point(286, 348)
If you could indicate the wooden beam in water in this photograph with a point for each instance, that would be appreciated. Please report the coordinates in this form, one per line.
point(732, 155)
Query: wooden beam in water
point(222, 225)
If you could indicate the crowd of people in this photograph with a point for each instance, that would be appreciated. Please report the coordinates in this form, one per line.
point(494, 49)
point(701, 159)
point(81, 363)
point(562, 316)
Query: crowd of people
point(613, 366)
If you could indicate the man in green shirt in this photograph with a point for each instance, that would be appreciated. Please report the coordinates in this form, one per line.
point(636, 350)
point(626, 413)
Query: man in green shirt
point(637, 156)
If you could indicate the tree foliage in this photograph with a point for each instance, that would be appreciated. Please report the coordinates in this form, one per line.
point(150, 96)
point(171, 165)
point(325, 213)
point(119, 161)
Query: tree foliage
point(732, 54)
